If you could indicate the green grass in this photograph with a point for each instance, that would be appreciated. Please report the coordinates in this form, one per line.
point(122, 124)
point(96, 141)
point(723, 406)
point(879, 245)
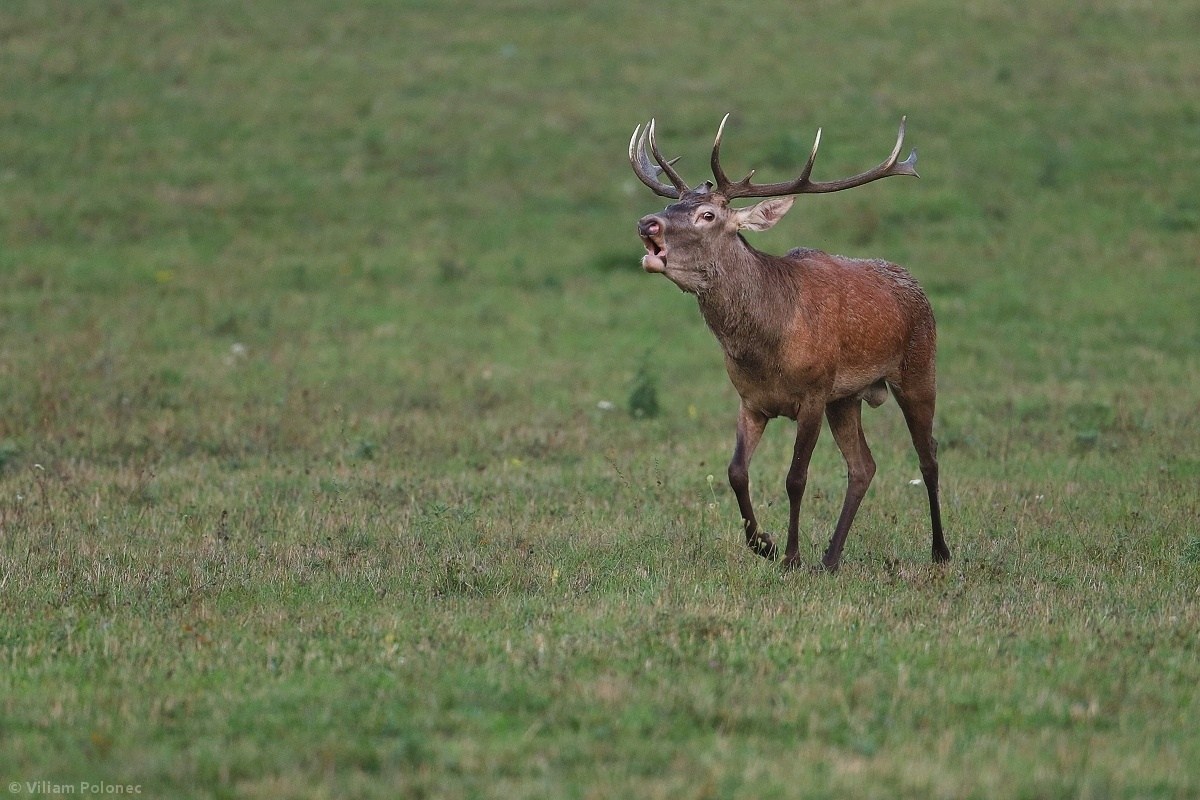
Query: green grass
point(346, 452)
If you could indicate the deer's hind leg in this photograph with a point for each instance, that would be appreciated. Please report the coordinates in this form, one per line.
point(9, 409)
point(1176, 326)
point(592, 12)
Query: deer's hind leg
point(917, 399)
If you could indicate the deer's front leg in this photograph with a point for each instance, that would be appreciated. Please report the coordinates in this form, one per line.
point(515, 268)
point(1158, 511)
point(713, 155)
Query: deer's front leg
point(750, 426)
point(808, 428)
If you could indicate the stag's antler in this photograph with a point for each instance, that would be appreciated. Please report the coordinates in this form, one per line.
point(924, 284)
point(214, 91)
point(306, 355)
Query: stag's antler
point(647, 171)
point(802, 184)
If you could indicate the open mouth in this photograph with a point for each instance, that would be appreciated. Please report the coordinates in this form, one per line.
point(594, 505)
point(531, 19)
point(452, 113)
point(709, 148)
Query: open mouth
point(655, 259)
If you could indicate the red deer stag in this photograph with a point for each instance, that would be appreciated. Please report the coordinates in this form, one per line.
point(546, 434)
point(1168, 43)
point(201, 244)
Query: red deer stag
point(804, 334)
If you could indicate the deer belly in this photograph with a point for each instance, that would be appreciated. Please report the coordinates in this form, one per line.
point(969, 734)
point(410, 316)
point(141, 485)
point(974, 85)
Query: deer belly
point(778, 393)
point(868, 384)
point(773, 392)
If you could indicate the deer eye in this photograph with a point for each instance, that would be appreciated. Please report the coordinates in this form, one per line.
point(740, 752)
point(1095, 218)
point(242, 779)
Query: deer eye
point(708, 216)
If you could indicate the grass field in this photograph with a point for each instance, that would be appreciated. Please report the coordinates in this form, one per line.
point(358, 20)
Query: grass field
point(345, 451)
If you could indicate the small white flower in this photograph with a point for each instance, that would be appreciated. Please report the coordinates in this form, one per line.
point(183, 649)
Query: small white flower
point(237, 352)
point(606, 405)
point(915, 482)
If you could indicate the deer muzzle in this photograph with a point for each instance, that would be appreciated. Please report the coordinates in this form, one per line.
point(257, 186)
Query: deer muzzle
point(651, 230)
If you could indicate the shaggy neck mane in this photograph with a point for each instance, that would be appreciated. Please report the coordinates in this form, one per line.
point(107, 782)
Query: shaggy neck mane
point(750, 298)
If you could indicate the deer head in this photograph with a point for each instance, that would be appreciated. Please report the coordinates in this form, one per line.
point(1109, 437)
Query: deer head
point(692, 238)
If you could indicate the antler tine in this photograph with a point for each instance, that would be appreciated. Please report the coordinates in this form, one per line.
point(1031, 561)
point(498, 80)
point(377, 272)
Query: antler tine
point(723, 181)
point(725, 186)
point(812, 157)
point(803, 184)
point(646, 171)
point(679, 183)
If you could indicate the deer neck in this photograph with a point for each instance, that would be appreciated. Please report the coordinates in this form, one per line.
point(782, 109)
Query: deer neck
point(748, 300)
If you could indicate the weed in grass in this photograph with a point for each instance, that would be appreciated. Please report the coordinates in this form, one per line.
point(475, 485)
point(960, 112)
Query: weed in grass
point(9, 452)
point(643, 394)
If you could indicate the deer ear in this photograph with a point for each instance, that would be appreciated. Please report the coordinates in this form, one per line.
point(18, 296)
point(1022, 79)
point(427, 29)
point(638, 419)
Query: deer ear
point(763, 215)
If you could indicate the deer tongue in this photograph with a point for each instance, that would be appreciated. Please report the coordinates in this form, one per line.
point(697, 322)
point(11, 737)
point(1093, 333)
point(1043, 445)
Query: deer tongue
point(655, 258)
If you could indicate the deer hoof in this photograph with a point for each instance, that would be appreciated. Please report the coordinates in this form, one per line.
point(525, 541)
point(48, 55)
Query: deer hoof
point(829, 565)
point(764, 545)
point(797, 564)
